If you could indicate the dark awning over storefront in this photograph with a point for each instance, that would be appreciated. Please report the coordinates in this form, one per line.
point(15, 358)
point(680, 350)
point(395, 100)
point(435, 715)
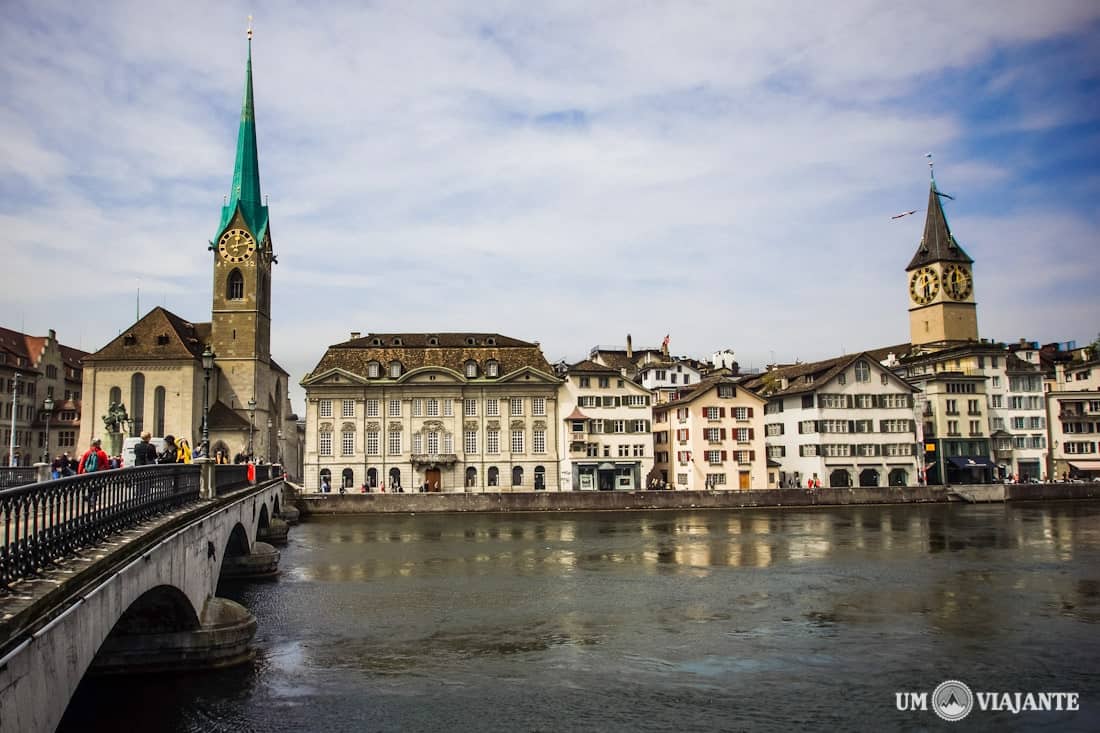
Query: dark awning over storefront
point(971, 462)
point(1086, 465)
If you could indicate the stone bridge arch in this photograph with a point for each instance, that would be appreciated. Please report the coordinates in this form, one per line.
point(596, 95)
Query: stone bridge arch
point(166, 579)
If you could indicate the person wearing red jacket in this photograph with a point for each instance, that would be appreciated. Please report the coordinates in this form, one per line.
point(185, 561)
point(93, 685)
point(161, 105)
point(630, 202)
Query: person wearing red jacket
point(100, 463)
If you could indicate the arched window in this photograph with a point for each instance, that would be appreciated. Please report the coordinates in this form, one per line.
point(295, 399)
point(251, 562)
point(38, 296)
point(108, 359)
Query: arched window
point(395, 369)
point(158, 411)
point(494, 476)
point(325, 476)
point(540, 478)
point(347, 478)
point(234, 286)
point(471, 369)
point(899, 477)
point(372, 477)
point(115, 396)
point(517, 476)
point(840, 479)
point(374, 370)
point(137, 404)
point(492, 368)
point(471, 477)
point(868, 477)
point(395, 478)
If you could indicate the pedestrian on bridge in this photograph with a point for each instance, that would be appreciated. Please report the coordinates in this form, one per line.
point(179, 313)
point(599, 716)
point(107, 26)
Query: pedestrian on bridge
point(94, 459)
point(145, 453)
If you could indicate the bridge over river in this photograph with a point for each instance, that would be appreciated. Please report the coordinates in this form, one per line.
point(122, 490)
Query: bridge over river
point(117, 571)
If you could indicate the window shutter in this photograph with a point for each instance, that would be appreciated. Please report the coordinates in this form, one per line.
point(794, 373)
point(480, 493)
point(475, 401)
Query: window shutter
point(618, 402)
point(912, 426)
point(800, 430)
point(722, 434)
point(817, 426)
point(724, 456)
point(721, 412)
point(851, 426)
point(752, 455)
point(608, 426)
point(752, 434)
point(782, 428)
point(782, 451)
point(750, 413)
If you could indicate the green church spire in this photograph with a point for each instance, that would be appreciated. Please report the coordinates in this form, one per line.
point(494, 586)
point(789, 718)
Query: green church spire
point(245, 195)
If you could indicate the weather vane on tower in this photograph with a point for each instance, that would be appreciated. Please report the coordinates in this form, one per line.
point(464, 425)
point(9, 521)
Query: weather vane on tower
point(250, 27)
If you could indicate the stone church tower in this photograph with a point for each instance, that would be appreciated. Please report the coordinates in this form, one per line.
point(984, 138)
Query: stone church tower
point(942, 310)
point(240, 328)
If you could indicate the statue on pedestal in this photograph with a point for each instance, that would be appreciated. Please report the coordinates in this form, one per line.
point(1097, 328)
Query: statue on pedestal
point(115, 422)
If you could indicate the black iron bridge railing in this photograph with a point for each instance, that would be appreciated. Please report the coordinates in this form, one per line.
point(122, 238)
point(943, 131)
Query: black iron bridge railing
point(17, 476)
point(45, 522)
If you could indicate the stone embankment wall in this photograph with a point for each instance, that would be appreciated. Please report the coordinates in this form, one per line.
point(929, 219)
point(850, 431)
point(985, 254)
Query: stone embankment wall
point(610, 500)
point(552, 501)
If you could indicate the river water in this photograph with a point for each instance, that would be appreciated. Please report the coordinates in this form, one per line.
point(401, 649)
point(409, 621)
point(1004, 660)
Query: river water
point(651, 621)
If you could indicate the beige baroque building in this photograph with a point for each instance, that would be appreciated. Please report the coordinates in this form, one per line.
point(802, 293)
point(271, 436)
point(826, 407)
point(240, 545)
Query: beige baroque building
point(452, 411)
point(712, 438)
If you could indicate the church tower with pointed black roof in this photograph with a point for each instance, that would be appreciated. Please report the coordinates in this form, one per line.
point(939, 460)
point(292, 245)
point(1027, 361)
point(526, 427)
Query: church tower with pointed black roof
point(942, 309)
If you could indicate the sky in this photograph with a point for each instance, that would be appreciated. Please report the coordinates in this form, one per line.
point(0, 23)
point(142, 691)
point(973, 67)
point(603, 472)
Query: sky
point(567, 172)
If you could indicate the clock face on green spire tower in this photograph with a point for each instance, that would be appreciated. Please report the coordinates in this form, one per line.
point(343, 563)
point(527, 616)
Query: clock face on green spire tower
point(236, 245)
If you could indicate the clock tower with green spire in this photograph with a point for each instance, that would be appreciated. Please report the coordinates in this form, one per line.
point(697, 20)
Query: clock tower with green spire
point(240, 331)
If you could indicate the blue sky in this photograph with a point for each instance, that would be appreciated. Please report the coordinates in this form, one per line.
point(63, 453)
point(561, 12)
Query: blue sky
point(721, 172)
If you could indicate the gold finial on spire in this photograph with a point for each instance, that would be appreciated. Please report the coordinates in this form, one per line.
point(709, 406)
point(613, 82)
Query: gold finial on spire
point(250, 27)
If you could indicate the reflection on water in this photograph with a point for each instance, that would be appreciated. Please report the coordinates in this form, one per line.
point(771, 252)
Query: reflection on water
point(648, 621)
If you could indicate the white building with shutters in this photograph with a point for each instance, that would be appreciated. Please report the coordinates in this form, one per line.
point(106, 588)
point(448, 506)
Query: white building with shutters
point(845, 422)
point(606, 439)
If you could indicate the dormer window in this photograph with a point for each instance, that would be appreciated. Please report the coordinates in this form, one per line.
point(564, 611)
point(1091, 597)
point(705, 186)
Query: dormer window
point(470, 341)
point(471, 369)
point(395, 369)
point(129, 339)
point(491, 341)
point(492, 368)
point(396, 342)
point(374, 370)
point(433, 341)
point(376, 342)
point(162, 340)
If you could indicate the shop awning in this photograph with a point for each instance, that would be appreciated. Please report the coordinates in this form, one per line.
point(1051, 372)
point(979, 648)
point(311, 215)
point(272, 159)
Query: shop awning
point(971, 462)
point(1086, 465)
point(607, 466)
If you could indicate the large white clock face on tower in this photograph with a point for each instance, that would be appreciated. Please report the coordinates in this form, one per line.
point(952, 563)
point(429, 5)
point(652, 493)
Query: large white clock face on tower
point(236, 245)
point(924, 285)
point(957, 282)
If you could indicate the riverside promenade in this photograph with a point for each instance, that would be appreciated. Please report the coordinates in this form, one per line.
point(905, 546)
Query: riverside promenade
point(564, 501)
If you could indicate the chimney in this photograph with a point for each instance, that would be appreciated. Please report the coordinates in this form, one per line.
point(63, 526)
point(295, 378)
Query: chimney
point(629, 348)
point(355, 335)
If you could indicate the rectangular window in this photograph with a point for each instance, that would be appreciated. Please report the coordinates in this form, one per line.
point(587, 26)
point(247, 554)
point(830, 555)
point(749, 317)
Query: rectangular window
point(469, 441)
point(538, 406)
point(998, 423)
point(492, 407)
point(469, 408)
point(775, 452)
point(742, 435)
point(448, 408)
point(713, 456)
point(711, 413)
point(538, 440)
point(418, 407)
point(418, 443)
point(515, 406)
point(324, 408)
point(639, 450)
point(372, 408)
point(1017, 423)
point(433, 407)
point(492, 442)
point(712, 435)
point(996, 401)
point(517, 441)
point(773, 429)
point(347, 408)
point(347, 443)
point(395, 442)
point(433, 442)
point(448, 443)
point(624, 451)
point(975, 427)
point(585, 382)
point(395, 408)
point(372, 443)
point(325, 443)
point(605, 382)
point(741, 413)
point(743, 456)
point(1035, 423)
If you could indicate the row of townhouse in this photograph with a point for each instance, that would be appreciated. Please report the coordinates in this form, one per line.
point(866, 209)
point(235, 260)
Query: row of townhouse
point(1073, 413)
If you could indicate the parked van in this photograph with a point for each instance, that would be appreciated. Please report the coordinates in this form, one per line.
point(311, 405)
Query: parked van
point(128, 449)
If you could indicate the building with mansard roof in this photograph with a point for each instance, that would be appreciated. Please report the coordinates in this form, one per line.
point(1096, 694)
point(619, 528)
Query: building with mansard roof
point(154, 368)
point(448, 412)
point(607, 441)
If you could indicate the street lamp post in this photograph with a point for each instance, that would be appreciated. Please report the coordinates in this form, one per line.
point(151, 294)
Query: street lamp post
point(208, 357)
point(251, 424)
point(14, 404)
point(47, 405)
point(270, 425)
point(279, 455)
